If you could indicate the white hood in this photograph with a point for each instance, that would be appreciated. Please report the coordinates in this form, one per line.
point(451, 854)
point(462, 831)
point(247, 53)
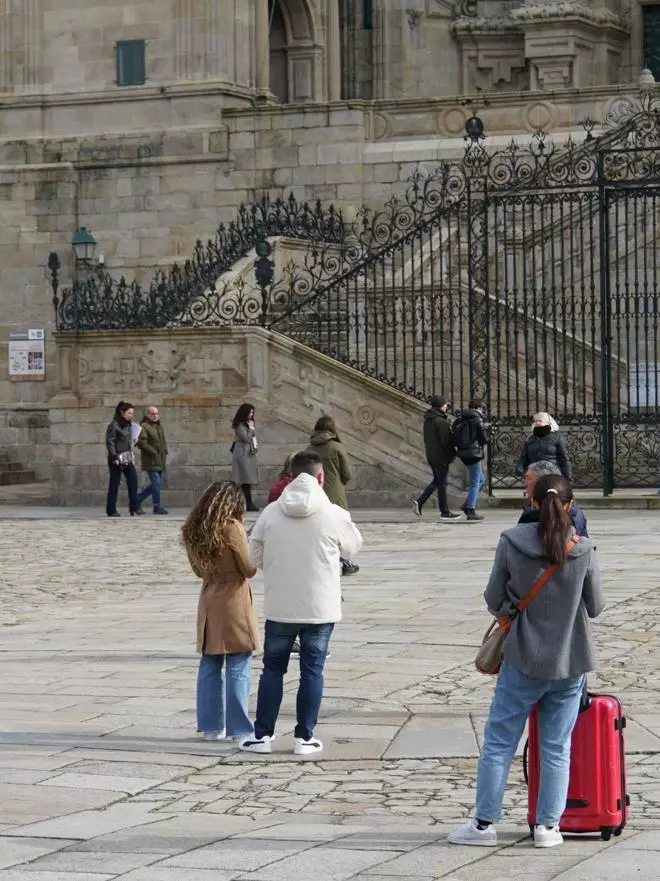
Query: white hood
point(303, 497)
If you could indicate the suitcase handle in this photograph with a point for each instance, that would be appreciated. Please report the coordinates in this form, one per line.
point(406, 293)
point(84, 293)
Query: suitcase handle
point(525, 758)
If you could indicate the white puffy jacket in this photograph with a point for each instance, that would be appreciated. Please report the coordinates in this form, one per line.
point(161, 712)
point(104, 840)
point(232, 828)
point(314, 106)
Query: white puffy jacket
point(298, 541)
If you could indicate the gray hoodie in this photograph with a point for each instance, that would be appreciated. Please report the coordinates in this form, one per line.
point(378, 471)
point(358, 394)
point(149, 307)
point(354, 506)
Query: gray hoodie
point(552, 638)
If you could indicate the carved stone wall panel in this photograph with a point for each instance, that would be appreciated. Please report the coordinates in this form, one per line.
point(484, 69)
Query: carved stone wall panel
point(198, 379)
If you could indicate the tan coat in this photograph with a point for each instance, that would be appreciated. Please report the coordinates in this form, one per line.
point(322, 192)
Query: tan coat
point(226, 622)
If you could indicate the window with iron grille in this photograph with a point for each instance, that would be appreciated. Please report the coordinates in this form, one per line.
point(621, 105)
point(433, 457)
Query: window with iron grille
point(652, 39)
point(131, 69)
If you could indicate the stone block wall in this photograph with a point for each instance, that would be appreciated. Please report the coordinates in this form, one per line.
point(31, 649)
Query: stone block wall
point(198, 378)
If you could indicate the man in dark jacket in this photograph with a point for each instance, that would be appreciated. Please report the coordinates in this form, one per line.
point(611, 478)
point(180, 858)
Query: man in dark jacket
point(531, 515)
point(153, 446)
point(470, 436)
point(439, 454)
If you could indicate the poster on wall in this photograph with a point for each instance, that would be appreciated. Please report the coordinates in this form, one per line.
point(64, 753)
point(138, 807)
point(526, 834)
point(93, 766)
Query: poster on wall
point(27, 356)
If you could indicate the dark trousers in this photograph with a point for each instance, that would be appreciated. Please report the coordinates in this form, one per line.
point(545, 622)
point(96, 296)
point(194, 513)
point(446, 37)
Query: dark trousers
point(438, 483)
point(130, 474)
point(278, 642)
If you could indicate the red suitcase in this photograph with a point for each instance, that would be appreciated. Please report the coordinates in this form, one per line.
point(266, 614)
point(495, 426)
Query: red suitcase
point(597, 799)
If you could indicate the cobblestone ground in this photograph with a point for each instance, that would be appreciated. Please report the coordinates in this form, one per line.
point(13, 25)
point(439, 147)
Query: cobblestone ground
point(101, 777)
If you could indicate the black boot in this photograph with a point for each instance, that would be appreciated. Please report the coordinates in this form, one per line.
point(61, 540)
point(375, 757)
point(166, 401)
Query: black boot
point(247, 492)
point(471, 514)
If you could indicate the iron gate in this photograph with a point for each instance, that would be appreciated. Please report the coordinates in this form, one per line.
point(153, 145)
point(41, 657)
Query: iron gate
point(527, 276)
point(567, 256)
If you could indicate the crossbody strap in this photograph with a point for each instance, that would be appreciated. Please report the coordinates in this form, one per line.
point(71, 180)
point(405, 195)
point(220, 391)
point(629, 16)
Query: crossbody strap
point(540, 583)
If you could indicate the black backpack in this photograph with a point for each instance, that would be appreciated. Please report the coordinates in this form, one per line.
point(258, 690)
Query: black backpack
point(461, 434)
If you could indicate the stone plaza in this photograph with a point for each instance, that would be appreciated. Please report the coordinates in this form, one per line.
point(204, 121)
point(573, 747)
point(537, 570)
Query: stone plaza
point(101, 776)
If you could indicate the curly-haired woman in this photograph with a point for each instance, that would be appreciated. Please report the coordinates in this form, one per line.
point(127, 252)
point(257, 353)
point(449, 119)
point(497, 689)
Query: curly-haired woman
point(215, 540)
point(244, 468)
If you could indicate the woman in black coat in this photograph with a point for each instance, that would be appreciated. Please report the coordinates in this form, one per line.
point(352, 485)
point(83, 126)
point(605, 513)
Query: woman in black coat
point(545, 444)
point(121, 460)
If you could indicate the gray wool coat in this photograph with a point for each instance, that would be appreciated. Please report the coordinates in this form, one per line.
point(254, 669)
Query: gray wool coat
point(244, 468)
point(552, 638)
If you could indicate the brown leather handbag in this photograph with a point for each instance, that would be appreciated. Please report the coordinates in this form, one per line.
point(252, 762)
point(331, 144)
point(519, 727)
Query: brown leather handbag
point(489, 656)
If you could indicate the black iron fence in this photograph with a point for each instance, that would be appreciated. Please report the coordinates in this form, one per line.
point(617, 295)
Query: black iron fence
point(526, 276)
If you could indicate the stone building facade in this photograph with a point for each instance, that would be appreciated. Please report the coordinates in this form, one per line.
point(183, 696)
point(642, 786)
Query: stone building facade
point(150, 122)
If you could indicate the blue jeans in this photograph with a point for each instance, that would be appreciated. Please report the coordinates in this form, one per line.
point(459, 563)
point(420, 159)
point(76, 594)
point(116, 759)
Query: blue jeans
point(477, 480)
point(153, 489)
point(515, 696)
point(222, 695)
point(278, 642)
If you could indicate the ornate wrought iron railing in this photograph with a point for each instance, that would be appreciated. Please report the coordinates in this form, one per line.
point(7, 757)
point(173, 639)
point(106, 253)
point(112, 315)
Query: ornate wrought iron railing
point(526, 276)
point(186, 294)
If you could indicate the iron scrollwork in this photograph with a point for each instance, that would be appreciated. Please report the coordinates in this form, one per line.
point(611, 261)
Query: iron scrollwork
point(524, 275)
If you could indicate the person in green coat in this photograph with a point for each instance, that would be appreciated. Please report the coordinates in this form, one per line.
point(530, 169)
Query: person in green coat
point(153, 447)
point(439, 449)
point(325, 442)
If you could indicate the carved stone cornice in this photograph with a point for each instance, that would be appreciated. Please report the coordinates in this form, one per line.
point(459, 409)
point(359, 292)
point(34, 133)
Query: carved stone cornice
point(545, 11)
point(483, 24)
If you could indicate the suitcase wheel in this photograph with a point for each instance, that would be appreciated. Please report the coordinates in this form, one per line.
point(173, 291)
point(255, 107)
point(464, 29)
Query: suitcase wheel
point(617, 832)
point(531, 831)
point(606, 834)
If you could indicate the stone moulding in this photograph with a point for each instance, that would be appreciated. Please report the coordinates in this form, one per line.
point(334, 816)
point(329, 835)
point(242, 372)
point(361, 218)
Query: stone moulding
point(568, 11)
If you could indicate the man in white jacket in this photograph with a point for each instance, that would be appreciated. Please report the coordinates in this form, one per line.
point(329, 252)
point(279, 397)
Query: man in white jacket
point(298, 542)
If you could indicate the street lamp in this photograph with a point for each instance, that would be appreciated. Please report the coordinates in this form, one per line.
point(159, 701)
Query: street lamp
point(84, 245)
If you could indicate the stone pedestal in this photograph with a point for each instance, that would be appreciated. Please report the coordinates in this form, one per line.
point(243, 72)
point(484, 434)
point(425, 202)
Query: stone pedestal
point(570, 44)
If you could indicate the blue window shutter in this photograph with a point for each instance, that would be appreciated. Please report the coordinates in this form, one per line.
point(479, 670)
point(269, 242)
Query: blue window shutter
point(367, 15)
point(131, 68)
point(652, 39)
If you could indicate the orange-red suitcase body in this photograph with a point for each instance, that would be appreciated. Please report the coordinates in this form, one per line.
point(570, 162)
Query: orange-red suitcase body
point(597, 799)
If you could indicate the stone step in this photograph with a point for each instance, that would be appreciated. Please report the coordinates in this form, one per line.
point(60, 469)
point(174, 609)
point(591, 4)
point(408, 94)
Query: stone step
point(27, 494)
point(17, 476)
point(641, 500)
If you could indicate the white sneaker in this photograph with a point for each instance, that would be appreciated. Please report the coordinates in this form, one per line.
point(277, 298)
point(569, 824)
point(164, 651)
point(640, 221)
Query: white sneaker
point(544, 837)
point(256, 745)
point(211, 735)
point(306, 747)
point(417, 511)
point(469, 835)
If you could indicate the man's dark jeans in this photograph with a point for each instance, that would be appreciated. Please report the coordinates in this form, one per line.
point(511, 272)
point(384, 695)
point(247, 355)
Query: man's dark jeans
point(314, 641)
point(439, 482)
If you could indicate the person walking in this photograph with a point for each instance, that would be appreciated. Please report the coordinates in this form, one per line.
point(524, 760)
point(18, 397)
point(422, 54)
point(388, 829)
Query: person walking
point(547, 652)
point(470, 436)
point(227, 635)
point(244, 468)
point(439, 449)
point(326, 443)
point(153, 449)
point(545, 444)
point(121, 460)
point(531, 514)
point(298, 541)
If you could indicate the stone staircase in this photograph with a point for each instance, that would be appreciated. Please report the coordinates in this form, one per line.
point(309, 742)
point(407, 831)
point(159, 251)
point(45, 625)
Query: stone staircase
point(19, 485)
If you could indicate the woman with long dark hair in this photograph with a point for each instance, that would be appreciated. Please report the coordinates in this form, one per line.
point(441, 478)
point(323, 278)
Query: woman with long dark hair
point(121, 460)
point(244, 468)
point(326, 443)
point(215, 540)
point(547, 652)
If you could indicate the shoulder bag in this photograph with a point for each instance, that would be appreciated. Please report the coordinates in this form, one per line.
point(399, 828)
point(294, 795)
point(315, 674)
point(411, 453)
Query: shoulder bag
point(489, 656)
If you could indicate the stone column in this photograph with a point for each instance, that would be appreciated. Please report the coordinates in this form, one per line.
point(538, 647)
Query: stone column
point(262, 27)
point(333, 50)
point(27, 45)
point(6, 47)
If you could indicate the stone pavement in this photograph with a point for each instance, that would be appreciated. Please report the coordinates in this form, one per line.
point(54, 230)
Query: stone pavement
point(101, 777)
